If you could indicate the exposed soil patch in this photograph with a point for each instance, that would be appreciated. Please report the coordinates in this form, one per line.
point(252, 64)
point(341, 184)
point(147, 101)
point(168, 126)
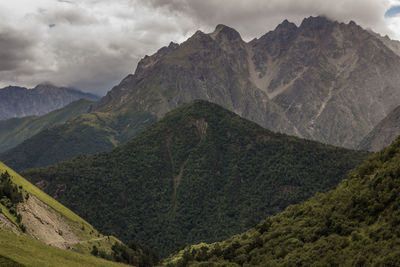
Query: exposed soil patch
point(45, 224)
point(201, 126)
point(7, 225)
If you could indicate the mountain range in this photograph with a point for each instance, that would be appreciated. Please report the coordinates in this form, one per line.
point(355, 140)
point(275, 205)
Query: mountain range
point(205, 140)
point(20, 102)
point(327, 81)
point(16, 130)
point(201, 173)
point(322, 80)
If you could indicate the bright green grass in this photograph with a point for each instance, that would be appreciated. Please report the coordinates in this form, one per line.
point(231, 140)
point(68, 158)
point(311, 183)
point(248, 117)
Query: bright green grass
point(30, 252)
point(33, 190)
point(86, 232)
point(6, 262)
point(6, 213)
point(103, 242)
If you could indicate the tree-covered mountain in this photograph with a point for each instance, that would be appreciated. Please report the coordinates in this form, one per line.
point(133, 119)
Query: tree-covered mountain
point(383, 133)
point(201, 173)
point(21, 102)
point(356, 224)
point(14, 131)
point(321, 80)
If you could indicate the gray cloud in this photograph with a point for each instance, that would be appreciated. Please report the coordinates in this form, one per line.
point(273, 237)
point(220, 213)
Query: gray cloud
point(15, 49)
point(95, 43)
point(72, 15)
point(254, 17)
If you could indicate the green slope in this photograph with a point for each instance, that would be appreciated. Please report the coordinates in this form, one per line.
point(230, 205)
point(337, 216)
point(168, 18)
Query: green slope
point(357, 224)
point(19, 181)
point(33, 190)
point(200, 174)
point(78, 226)
point(90, 241)
point(15, 131)
point(24, 251)
point(84, 134)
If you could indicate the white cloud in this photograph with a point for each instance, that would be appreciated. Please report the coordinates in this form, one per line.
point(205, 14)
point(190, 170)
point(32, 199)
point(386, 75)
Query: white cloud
point(95, 43)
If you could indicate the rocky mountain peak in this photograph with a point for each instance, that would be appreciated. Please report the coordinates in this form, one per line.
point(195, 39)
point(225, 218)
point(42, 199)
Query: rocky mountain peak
point(352, 23)
point(279, 39)
point(286, 26)
point(317, 23)
point(223, 31)
point(320, 81)
point(148, 61)
point(199, 37)
point(45, 87)
point(173, 45)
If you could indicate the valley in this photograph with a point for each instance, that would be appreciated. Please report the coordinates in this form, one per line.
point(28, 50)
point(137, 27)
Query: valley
point(276, 146)
point(201, 173)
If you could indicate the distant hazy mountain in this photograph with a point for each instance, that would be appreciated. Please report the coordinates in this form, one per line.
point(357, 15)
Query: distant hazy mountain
point(384, 133)
point(326, 81)
point(14, 131)
point(20, 102)
point(201, 173)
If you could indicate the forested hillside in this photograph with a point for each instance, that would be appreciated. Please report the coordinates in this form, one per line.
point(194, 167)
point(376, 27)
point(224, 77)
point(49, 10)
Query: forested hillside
point(200, 174)
point(357, 224)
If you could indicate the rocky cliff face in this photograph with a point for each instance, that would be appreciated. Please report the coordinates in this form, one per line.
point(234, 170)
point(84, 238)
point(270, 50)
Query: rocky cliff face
point(323, 80)
point(384, 133)
point(20, 102)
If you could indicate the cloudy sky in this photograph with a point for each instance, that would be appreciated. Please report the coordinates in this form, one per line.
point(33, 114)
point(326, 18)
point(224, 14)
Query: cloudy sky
point(93, 44)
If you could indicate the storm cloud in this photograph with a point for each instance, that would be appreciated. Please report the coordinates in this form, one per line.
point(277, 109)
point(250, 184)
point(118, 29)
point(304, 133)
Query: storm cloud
point(93, 44)
point(254, 17)
point(16, 49)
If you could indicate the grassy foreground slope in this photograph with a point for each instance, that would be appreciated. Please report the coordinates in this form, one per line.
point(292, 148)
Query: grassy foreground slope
point(15, 131)
point(46, 199)
point(28, 211)
point(25, 251)
point(55, 218)
point(356, 224)
point(200, 174)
